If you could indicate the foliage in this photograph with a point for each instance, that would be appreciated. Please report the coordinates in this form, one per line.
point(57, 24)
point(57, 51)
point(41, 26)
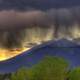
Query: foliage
point(50, 68)
point(75, 74)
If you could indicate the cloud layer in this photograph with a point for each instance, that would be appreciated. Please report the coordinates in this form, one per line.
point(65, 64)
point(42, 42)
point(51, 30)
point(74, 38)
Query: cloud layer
point(13, 24)
point(20, 19)
point(11, 20)
point(37, 4)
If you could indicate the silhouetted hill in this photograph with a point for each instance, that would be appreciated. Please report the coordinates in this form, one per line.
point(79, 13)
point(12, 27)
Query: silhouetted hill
point(60, 48)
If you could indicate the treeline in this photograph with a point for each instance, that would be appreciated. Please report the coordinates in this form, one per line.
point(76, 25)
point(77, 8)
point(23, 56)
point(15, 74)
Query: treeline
point(50, 68)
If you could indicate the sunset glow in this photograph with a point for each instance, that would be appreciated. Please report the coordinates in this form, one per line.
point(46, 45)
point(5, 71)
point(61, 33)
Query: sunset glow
point(7, 54)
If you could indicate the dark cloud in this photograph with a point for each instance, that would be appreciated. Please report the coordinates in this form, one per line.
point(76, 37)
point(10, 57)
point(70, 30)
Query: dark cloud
point(37, 4)
point(13, 19)
point(20, 19)
point(15, 26)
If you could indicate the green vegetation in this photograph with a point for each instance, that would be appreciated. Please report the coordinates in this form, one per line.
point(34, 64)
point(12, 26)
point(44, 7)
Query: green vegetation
point(75, 74)
point(50, 68)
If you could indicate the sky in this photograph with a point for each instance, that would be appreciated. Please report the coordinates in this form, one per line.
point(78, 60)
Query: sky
point(15, 13)
point(37, 4)
point(58, 15)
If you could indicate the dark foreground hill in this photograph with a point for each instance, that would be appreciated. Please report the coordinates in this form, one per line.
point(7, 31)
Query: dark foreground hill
point(59, 48)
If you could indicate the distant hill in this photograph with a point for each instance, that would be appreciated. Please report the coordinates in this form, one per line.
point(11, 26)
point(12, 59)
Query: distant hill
point(63, 43)
point(60, 48)
point(77, 40)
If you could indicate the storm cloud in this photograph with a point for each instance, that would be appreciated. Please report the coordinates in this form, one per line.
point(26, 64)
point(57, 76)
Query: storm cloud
point(13, 19)
point(37, 4)
point(10, 20)
point(38, 20)
point(54, 22)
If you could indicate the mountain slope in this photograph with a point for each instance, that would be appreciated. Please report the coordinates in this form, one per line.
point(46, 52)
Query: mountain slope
point(34, 55)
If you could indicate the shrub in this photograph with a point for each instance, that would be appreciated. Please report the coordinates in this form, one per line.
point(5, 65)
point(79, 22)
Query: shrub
point(50, 68)
point(75, 74)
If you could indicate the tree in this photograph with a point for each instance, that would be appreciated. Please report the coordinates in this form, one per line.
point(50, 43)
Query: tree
point(74, 74)
point(50, 68)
